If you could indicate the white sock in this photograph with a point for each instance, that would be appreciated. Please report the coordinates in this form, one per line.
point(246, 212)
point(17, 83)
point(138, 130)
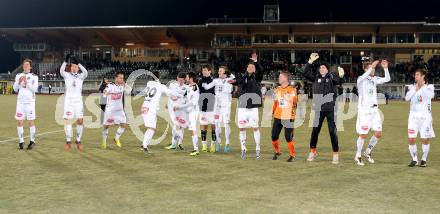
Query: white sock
point(227, 133)
point(147, 137)
point(204, 143)
point(243, 140)
point(413, 151)
point(218, 133)
point(20, 133)
point(79, 132)
point(372, 144)
point(174, 136)
point(68, 131)
point(195, 138)
point(257, 139)
point(105, 134)
point(180, 136)
point(32, 131)
point(359, 146)
point(425, 150)
point(119, 132)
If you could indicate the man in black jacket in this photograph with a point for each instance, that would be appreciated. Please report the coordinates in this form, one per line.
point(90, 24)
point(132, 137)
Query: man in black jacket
point(248, 103)
point(206, 104)
point(324, 90)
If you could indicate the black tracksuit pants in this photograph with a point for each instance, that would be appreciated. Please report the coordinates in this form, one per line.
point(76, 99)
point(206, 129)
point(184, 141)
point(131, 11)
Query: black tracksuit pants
point(278, 125)
point(317, 125)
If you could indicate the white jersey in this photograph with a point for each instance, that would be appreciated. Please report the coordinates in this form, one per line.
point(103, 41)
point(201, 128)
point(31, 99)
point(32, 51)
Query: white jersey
point(367, 88)
point(223, 90)
point(114, 94)
point(192, 103)
point(152, 93)
point(73, 82)
point(421, 99)
point(26, 90)
point(178, 89)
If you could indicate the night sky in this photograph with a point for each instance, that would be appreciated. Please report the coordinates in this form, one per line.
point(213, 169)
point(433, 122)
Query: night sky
point(30, 13)
point(24, 13)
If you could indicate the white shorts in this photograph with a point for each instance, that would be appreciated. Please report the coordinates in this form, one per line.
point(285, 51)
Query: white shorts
point(368, 120)
point(25, 111)
point(114, 117)
point(73, 108)
point(187, 120)
point(223, 114)
point(149, 116)
point(420, 122)
point(180, 118)
point(247, 118)
point(207, 118)
point(193, 120)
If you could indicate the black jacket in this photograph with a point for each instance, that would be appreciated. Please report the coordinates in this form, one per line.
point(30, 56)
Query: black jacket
point(206, 104)
point(323, 86)
point(250, 84)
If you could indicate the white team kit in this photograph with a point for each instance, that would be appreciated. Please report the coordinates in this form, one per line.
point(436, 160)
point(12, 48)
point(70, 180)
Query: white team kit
point(248, 118)
point(173, 101)
point(114, 110)
point(369, 117)
point(223, 98)
point(188, 112)
point(73, 103)
point(420, 116)
point(207, 117)
point(26, 96)
point(153, 93)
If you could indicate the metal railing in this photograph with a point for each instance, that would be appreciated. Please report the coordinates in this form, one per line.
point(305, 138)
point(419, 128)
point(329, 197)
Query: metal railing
point(234, 20)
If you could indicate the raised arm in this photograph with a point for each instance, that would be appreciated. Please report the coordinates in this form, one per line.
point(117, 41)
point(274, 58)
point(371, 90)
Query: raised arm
point(309, 72)
point(387, 78)
point(410, 93)
point(365, 75)
point(259, 71)
point(384, 63)
point(84, 71)
point(63, 69)
point(368, 72)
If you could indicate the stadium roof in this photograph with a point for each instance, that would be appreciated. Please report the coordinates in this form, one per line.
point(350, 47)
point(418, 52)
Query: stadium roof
point(190, 35)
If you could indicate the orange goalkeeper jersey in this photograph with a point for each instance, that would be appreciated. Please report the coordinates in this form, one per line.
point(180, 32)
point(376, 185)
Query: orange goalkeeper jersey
point(285, 103)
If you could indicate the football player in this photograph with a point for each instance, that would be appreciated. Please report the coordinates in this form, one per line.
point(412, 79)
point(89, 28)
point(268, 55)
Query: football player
point(223, 99)
point(368, 117)
point(420, 116)
point(114, 110)
point(26, 84)
point(284, 106)
point(73, 103)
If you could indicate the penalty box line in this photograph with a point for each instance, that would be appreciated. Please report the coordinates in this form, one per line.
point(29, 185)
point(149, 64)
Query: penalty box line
point(38, 134)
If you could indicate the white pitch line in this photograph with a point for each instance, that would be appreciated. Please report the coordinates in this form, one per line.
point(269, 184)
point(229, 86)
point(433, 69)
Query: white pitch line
point(44, 133)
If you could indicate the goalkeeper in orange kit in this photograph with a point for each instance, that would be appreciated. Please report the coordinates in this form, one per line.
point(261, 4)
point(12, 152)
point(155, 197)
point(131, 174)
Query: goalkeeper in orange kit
point(283, 112)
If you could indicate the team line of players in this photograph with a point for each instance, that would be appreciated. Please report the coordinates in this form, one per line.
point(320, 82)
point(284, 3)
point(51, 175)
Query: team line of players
point(184, 109)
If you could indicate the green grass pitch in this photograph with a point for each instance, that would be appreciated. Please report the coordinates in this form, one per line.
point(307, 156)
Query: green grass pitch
point(51, 180)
